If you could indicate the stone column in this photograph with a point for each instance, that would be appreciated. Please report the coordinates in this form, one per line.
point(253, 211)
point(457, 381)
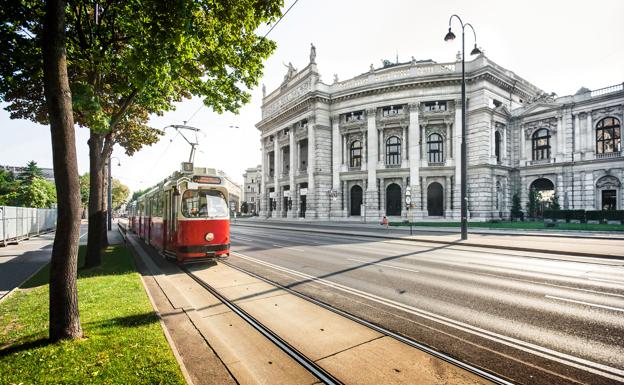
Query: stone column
point(263, 180)
point(403, 148)
point(364, 151)
point(335, 206)
point(382, 197)
point(448, 142)
point(372, 212)
point(503, 147)
point(560, 190)
point(577, 133)
point(590, 144)
point(403, 205)
point(560, 140)
point(293, 167)
point(458, 159)
point(447, 197)
point(522, 142)
point(381, 148)
point(311, 197)
point(276, 173)
point(414, 161)
point(345, 199)
point(345, 152)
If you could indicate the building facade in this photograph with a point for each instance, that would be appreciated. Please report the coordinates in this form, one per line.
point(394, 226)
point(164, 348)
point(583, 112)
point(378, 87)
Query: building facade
point(358, 148)
point(251, 189)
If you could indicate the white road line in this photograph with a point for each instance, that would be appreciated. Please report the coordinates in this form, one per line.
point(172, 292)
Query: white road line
point(563, 358)
point(82, 236)
point(288, 247)
point(585, 303)
point(606, 280)
point(383, 264)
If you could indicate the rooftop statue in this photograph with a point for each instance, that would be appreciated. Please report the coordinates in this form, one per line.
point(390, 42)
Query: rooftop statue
point(292, 71)
point(312, 53)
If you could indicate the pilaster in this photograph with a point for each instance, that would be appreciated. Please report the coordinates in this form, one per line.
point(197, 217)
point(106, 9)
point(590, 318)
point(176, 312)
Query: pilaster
point(372, 212)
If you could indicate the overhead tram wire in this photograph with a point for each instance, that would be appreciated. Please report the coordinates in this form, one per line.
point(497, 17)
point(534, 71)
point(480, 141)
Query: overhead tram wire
point(280, 19)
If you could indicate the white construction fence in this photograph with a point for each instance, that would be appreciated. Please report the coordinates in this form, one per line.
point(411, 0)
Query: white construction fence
point(18, 223)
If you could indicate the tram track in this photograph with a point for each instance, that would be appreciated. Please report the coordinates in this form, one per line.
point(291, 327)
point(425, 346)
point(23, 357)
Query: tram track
point(291, 351)
point(386, 332)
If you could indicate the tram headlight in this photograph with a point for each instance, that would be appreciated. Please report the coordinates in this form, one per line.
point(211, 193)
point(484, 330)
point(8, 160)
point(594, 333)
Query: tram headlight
point(209, 237)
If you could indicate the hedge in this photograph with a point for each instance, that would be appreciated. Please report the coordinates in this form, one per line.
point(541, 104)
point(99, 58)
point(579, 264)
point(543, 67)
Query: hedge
point(583, 216)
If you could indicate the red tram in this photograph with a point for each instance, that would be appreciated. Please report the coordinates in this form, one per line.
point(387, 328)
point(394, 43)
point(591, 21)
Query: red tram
point(186, 216)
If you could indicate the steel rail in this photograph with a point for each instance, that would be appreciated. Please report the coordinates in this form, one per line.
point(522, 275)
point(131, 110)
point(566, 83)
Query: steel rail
point(304, 361)
point(451, 360)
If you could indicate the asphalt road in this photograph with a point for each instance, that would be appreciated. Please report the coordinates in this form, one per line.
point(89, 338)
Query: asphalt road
point(532, 318)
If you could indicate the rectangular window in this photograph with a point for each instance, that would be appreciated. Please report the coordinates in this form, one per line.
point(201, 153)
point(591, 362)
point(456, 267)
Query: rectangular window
point(435, 106)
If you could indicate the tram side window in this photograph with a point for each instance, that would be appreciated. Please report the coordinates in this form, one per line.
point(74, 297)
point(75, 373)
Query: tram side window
point(204, 204)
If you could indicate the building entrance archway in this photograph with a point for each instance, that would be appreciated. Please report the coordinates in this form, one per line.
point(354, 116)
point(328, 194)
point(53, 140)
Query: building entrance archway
point(393, 200)
point(356, 200)
point(546, 194)
point(435, 199)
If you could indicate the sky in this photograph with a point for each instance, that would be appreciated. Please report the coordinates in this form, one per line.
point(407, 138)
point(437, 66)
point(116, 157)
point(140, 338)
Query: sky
point(559, 46)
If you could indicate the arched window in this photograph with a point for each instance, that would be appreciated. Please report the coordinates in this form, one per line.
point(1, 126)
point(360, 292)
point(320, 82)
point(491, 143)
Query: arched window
point(355, 160)
point(608, 136)
point(497, 145)
point(393, 151)
point(435, 147)
point(541, 144)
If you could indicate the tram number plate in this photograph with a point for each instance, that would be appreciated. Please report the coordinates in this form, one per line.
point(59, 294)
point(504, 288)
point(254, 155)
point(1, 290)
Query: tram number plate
point(211, 254)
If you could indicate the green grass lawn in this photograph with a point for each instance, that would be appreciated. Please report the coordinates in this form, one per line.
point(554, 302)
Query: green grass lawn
point(123, 344)
point(520, 225)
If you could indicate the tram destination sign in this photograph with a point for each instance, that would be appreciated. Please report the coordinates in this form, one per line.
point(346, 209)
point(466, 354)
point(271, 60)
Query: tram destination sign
point(207, 179)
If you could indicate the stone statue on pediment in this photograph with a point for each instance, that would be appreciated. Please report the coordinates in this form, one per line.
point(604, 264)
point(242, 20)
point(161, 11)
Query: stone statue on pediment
point(312, 53)
point(336, 78)
point(292, 71)
point(372, 69)
point(263, 90)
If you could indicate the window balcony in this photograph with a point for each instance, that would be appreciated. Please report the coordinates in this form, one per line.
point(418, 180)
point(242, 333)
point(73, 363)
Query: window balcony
point(610, 155)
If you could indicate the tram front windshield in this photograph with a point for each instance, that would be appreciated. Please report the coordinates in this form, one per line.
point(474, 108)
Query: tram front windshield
point(204, 204)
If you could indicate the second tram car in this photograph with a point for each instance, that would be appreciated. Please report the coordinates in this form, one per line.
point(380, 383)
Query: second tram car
point(186, 216)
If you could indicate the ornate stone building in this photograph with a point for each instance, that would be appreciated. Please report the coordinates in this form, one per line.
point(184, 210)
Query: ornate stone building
point(352, 149)
point(251, 188)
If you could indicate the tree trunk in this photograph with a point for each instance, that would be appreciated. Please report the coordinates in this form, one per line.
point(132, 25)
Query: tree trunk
point(104, 228)
point(97, 218)
point(64, 315)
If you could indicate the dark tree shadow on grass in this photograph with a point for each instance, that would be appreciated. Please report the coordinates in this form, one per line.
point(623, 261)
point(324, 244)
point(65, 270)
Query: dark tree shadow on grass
point(27, 343)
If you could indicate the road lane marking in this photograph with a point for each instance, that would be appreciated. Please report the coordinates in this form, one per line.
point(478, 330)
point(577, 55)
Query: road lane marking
point(563, 358)
point(288, 247)
point(82, 236)
point(606, 280)
point(383, 264)
point(585, 303)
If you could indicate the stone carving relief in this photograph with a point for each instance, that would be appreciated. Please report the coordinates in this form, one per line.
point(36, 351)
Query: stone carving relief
point(611, 111)
point(279, 104)
point(531, 127)
point(608, 182)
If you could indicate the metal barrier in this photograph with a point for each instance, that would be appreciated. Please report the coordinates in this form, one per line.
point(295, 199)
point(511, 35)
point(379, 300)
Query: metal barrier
point(18, 223)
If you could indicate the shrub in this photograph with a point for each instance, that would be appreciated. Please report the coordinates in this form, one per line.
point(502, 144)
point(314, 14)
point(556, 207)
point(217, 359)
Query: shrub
point(575, 215)
point(595, 215)
point(516, 208)
point(614, 215)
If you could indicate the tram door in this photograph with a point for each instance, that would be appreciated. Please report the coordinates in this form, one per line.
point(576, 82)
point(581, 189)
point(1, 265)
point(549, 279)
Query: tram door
point(167, 219)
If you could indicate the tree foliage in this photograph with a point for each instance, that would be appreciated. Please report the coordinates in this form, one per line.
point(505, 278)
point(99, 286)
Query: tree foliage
point(138, 193)
point(120, 193)
point(29, 190)
point(516, 207)
point(32, 171)
point(135, 58)
point(533, 203)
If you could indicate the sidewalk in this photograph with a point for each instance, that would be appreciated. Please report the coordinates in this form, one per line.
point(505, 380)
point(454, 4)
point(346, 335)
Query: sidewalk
point(603, 247)
point(20, 262)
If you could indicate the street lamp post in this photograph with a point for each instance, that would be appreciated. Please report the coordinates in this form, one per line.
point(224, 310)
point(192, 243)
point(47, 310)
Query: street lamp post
point(110, 192)
point(475, 51)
